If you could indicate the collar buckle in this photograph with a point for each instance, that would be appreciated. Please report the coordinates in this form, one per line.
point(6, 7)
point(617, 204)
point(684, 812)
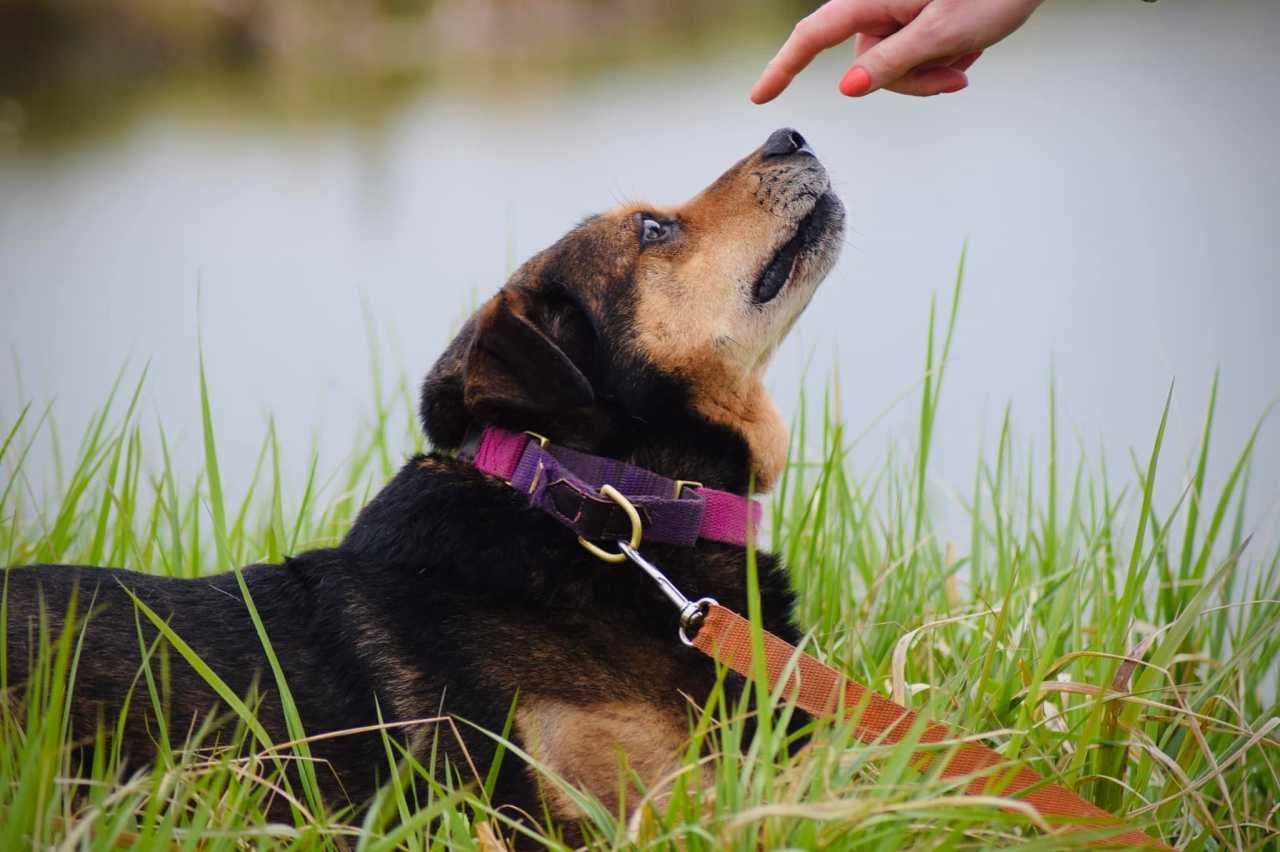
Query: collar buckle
point(682, 484)
point(542, 440)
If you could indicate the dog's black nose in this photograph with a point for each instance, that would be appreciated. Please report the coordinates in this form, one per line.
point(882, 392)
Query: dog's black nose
point(783, 142)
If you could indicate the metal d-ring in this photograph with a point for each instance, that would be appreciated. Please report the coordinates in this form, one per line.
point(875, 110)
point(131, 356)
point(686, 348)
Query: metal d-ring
point(637, 528)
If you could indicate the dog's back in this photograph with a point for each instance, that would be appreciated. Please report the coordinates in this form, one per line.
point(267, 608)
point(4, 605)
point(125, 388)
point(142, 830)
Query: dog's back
point(329, 683)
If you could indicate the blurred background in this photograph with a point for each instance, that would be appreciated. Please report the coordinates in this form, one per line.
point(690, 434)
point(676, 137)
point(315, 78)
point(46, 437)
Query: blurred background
point(302, 182)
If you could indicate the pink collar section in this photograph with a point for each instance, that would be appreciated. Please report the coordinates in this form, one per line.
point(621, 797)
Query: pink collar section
point(566, 484)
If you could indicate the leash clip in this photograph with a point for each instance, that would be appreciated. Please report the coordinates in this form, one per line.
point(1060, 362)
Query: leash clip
point(692, 613)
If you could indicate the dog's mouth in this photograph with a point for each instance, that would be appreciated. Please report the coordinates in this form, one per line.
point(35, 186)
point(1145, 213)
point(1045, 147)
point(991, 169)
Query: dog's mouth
point(781, 270)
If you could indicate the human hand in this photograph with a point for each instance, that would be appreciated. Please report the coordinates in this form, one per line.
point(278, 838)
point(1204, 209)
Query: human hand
point(913, 47)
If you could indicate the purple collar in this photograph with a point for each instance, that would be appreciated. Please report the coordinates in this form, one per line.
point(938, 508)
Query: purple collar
point(566, 484)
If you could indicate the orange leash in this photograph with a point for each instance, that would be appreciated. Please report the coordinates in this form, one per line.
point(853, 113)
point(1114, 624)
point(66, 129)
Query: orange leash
point(820, 690)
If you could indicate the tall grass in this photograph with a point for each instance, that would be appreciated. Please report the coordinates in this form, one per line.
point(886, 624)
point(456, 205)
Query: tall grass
point(1124, 648)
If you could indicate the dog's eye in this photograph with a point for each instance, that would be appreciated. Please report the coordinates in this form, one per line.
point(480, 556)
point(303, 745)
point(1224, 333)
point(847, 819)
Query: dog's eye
point(653, 231)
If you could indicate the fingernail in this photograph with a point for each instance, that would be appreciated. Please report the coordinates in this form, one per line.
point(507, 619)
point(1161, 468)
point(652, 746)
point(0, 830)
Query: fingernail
point(856, 82)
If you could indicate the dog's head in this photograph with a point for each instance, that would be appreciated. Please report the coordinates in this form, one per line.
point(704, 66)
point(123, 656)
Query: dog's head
point(644, 332)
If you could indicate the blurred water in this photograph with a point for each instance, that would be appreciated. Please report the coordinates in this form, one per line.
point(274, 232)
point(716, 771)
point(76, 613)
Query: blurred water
point(1113, 169)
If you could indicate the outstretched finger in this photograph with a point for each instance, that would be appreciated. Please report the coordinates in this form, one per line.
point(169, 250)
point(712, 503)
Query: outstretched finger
point(829, 25)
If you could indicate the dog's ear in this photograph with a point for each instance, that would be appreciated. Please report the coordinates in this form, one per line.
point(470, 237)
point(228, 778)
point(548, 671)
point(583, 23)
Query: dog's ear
point(444, 418)
point(513, 364)
point(503, 367)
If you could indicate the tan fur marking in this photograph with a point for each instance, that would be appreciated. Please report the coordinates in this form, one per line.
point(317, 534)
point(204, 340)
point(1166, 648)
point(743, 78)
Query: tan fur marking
point(758, 420)
point(694, 315)
point(404, 684)
point(588, 744)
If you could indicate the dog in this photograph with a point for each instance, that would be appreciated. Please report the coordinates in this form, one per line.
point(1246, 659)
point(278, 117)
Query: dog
point(640, 337)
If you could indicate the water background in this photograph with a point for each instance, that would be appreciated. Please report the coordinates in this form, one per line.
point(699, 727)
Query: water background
point(1113, 168)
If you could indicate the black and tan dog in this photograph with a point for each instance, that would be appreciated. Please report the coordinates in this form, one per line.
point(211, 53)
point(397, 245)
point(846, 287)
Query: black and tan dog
point(642, 335)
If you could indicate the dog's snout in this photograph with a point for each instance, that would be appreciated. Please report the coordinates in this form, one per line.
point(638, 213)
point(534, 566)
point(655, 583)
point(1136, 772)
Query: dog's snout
point(788, 176)
point(784, 142)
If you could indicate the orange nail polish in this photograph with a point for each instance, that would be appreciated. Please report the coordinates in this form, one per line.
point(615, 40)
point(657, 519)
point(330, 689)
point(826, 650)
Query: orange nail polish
point(856, 82)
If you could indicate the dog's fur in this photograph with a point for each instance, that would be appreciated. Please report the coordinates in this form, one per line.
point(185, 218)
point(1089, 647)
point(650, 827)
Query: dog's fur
point(450, 594)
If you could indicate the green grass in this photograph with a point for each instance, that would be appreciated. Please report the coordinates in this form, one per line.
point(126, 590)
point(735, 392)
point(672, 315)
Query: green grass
point(1126, 649)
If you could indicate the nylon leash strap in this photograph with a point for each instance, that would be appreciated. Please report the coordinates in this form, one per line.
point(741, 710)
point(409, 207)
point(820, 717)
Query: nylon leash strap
point(820, 690)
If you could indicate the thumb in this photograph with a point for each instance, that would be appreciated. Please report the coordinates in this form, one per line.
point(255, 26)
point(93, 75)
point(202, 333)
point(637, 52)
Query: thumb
point(892, 58)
